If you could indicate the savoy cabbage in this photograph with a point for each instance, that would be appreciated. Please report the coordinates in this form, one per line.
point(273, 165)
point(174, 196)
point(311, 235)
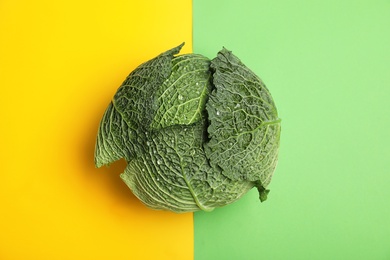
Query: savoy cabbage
point(196, 133)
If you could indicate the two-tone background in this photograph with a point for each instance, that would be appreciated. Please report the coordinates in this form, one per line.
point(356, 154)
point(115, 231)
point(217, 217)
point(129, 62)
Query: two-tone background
point(326, 63)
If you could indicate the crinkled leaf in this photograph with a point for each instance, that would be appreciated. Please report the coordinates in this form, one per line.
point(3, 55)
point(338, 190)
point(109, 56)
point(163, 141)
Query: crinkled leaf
point(174, 173)
point(244, 125)
point(122, 130)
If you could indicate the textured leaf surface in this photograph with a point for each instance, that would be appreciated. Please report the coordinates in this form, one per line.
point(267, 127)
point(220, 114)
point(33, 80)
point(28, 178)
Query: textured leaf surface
point(245, 128)
point(181, 98)
point(174, 173)
point(122, 130)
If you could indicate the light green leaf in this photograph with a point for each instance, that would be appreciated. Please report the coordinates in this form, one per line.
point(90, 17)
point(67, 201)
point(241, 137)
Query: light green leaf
point(181, 98)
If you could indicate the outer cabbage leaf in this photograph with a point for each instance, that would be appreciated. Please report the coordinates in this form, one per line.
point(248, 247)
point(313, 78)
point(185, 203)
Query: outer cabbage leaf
point(244, 126)
point(122, 129)
point(174, 173)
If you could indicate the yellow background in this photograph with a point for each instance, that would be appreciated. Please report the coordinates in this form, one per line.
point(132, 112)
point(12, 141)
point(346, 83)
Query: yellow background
point(60, 64)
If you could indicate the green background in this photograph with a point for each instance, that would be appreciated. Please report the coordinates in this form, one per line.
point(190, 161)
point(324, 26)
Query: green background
point(327, 65)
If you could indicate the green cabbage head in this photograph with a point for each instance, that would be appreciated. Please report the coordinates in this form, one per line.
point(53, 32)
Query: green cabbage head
point(196, 134)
